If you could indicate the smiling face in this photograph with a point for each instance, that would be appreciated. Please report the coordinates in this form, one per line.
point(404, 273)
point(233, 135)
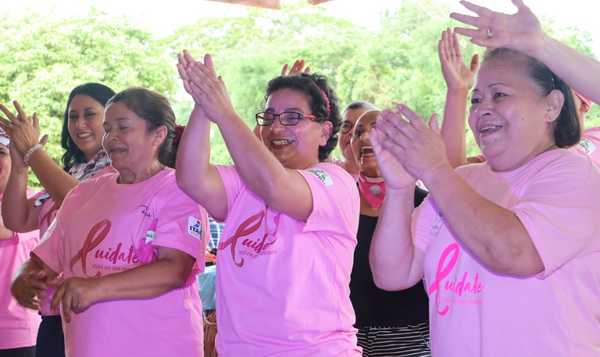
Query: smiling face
point(296, 147)
point(362, 150)
point(128, 142)
point(510, 118)
point(85, 117)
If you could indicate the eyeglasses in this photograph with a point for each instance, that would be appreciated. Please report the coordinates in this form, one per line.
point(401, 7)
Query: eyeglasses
point(285, 118)
point(346, 126)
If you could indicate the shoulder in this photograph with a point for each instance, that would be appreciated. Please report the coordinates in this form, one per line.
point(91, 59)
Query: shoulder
point(167, 190)
point(469, 170)
point(328, 173)
point(563, 161)
point(592, 133)
point(101, 178)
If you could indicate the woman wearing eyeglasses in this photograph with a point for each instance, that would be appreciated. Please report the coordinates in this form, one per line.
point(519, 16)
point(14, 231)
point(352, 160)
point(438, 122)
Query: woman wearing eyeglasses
point(290, 217)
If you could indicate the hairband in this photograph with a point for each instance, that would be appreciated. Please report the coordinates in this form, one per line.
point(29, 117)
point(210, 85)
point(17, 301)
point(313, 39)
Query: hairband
point(325, 99)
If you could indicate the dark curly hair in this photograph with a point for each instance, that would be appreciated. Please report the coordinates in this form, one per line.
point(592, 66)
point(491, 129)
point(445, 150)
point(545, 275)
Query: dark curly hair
point(101, 94)
point(155, 109)
point(322, 101)
point(567, 129)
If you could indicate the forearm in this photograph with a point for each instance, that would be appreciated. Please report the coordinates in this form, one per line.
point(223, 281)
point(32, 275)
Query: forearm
point(17, 212)
point(195, 175)
point(494, 234)
point(392, 251)
point(143, 282)
point(259, 169)
point(453, 126)
point(52, 177)
point(193, 154)
point(581, 72)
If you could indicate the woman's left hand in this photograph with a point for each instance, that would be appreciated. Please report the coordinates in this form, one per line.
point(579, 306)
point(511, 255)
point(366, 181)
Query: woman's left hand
point(418, 147)
point(24, 131)
point(297, 68)
point(75, 295)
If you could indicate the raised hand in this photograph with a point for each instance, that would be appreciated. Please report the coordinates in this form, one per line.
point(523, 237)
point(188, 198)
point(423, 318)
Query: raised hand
point(521, 31)
point(418, 147)
point(456, 74)
point(207, 89)
point(184, 61)
point(24, 131)
point(394, 175)
point(297, 68)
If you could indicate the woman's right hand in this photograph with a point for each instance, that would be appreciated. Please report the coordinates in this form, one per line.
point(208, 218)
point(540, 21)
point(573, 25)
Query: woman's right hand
point(24, 130)
point(456, 74)
point(29, 288)
point(394, 174)
point(521, 31)
point(207, 89)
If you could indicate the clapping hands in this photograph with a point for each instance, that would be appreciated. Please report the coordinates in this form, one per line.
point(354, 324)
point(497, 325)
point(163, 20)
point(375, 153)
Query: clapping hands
point(205, 86)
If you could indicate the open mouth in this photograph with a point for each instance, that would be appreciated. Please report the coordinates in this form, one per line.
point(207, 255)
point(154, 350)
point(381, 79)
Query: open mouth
point(281, 143)
point(367, 151)
point(84, 136)
point(489, 129)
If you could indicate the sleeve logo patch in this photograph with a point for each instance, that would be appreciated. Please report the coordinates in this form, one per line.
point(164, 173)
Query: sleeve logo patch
point(194, 227)
point(322, 175)
point(587, 146)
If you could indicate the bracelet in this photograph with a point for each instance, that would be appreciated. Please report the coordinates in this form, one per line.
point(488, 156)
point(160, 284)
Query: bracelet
point(30, 152)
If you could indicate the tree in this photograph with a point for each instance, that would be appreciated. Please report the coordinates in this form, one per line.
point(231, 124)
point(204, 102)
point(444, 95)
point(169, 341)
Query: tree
point(43, 60)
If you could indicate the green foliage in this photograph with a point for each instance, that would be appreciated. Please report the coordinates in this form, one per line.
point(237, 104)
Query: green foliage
point(394, 61)
point(44, 60)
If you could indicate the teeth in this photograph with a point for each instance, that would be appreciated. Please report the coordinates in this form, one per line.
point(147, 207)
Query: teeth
point(488, 128)
point(280, 142)
point(83, 136)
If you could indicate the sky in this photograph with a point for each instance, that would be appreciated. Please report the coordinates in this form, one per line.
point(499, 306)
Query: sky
point(163, 17)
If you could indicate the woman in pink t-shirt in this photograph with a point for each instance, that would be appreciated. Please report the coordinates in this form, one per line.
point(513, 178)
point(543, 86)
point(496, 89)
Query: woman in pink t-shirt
point(508, 249)
point(459, 81)
point(18, 325)
point(291, 218)
point(81, 138)
point(128, 243)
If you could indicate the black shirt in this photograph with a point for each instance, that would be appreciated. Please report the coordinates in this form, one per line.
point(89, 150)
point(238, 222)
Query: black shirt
point(375, 307)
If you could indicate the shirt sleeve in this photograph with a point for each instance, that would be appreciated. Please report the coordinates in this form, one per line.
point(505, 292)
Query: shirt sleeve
point(232, 182)
point(424, 221)
point(559, 209)
point(181, 224)
point(51, 250)
point(336, 203)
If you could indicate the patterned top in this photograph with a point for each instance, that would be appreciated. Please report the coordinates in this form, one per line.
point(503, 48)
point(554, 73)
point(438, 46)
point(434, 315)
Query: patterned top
point(84, 170)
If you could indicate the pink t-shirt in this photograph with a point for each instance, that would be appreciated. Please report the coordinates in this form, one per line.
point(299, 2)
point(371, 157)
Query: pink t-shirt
point(590, 144)
point(18, 325)
point(475, 312)
point(283, 284)
point(47, 210)
point(99, 230)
